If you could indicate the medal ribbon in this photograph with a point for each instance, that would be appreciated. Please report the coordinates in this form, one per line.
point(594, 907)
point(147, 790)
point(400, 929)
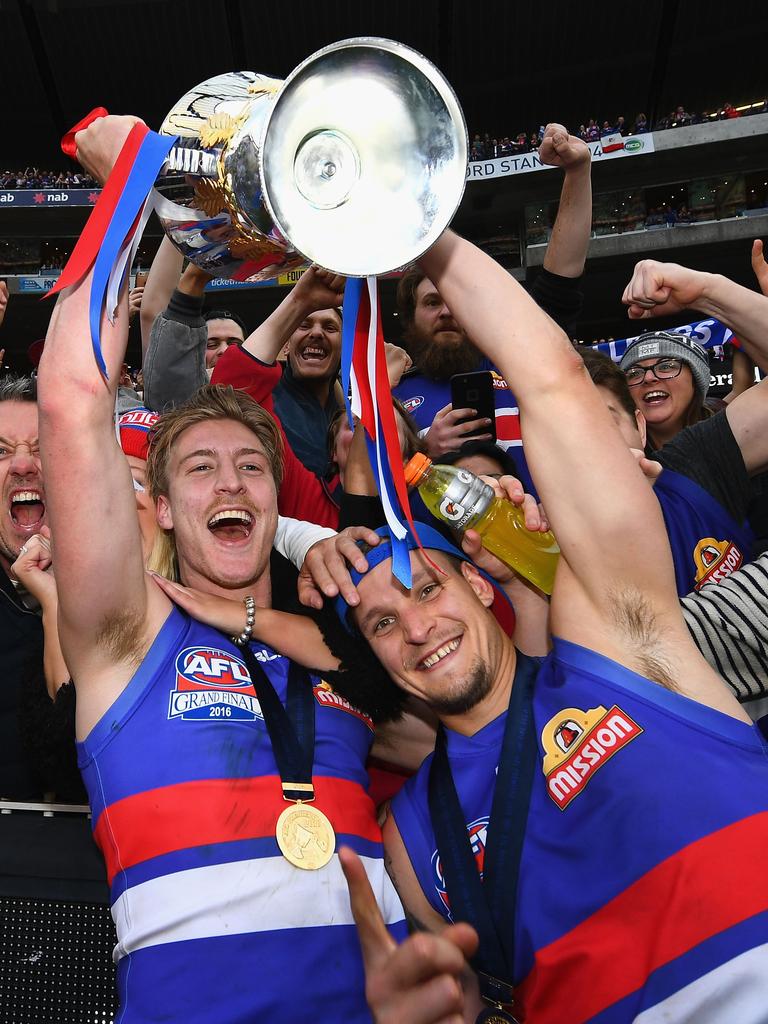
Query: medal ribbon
point(489, 904)
point(292, 730)
point(112, 234)
point(368, 396)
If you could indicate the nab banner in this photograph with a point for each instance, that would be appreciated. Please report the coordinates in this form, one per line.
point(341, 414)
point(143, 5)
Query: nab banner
point(42, 197)
point(610, 148)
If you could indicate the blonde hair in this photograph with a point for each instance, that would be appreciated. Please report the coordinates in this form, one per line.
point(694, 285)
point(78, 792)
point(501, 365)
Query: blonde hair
point(212, 402)
point(163, 558)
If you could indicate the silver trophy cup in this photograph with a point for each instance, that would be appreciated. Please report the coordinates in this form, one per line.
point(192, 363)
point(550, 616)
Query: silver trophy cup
point(356, 162)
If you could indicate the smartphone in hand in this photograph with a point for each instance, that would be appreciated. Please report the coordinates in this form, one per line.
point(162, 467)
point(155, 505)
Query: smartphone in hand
point(475, 391)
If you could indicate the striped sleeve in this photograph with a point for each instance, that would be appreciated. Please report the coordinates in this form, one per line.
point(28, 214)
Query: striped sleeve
point(728, 622)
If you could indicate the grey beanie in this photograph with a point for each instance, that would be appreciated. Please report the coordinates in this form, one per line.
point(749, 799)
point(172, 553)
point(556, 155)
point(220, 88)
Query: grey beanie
point(657, 344)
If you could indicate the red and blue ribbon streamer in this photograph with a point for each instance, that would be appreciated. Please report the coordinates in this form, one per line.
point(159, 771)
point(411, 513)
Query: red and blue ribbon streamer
point(365, 382)
point(116, 220)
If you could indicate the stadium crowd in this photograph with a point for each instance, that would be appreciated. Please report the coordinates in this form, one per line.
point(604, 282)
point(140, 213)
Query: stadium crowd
point(35, 177)
point(202, 634)
point(486, 147)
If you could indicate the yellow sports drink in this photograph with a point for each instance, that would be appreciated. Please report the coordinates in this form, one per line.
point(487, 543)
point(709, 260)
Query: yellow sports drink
point(461, 499)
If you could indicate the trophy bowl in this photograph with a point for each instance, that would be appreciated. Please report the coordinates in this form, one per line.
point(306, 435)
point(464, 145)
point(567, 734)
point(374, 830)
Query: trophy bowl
point(356, 162)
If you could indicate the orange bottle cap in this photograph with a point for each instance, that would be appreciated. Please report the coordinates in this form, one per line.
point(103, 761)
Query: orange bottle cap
point(417, 469)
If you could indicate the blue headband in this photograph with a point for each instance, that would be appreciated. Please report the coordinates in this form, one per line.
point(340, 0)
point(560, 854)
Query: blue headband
point(429, 537)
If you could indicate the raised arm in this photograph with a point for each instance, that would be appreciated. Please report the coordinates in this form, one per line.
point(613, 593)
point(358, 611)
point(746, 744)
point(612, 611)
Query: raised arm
point(163, 277)
point(663, 289)
point(658, 289)
point(90, 496)
point(316, 289)
point(614, 590)
point(567, 249)
point(174, 363)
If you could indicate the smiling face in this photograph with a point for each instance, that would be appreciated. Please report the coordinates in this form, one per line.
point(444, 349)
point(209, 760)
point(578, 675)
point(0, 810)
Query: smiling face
point(664, 402)
point(438, 641)
point(221, 505)
point(314, 349)
point(23, 511)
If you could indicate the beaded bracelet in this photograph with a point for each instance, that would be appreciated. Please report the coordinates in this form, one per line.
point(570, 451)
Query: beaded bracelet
point(250, 617)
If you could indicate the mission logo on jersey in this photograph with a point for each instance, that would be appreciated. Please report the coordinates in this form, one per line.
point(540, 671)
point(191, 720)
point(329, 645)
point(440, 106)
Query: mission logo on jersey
point(211, 683)
point(576, 743)
point(478, 835)
point(327, 697)
point(714, 560)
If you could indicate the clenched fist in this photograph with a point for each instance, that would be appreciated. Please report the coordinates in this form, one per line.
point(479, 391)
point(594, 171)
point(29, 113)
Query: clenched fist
point(559, 149)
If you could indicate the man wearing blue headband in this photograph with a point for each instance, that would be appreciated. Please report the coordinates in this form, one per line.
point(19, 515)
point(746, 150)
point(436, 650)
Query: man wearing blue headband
point(583, 812)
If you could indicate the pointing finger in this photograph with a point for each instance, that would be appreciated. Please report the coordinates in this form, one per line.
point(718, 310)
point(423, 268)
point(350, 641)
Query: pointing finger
point(376, 942)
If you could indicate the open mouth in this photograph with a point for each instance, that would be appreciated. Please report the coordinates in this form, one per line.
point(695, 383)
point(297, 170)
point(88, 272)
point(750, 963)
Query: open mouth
point(655, 397)
point(313, 354)
point(443, 652)
point(231, 524)
point(27, 510)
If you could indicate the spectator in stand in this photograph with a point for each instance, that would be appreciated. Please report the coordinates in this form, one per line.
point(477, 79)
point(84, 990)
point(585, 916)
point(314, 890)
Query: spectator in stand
point(684, 215)
point(306, 398)
point(607, 129)
point(621, 126)
point(477, 151)
point(640, 127)
point(668, 375)
point(681, 117)
point(20, 626)
point(729, 112)
point(670, 215)
point(582, 133)
point(224, 328)
point(33, 177)
point(593, 132)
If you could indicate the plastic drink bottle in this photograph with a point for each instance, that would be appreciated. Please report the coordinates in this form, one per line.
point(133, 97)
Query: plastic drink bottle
point(461, 499)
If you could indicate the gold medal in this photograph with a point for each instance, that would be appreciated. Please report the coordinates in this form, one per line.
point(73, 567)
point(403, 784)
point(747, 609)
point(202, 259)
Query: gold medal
point(305, 836)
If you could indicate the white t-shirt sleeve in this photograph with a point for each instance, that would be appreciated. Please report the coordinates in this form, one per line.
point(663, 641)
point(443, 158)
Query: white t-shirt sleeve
point(294, 538)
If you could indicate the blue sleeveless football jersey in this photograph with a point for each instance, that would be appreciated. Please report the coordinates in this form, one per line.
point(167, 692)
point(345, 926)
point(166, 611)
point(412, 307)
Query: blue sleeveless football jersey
point(707, 543)
point(641, 892)
point(213, 923)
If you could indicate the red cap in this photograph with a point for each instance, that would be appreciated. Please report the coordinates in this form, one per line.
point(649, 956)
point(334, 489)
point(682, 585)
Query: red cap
point(134, 427)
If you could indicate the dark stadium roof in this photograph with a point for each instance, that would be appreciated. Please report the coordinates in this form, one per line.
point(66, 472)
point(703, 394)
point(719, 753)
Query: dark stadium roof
point(514, 63)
